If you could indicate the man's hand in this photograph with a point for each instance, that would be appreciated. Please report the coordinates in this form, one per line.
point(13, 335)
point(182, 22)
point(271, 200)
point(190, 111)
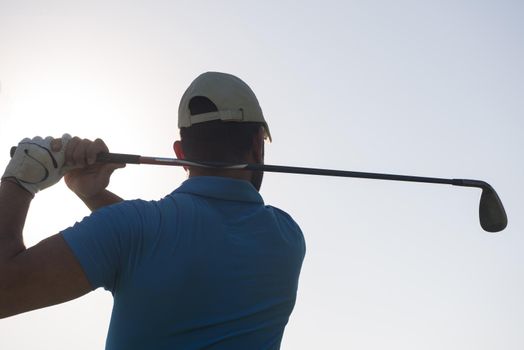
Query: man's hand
point(86, 178)
point(37, 163)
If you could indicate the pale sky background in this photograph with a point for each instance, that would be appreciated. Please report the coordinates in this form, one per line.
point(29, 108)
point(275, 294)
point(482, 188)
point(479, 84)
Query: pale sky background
point(431, 88)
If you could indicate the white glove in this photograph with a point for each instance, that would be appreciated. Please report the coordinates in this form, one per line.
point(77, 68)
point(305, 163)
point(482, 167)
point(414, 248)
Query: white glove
point(35, 165)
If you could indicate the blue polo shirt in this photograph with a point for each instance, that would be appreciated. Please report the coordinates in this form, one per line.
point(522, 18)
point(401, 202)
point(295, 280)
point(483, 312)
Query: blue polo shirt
point(207, 267)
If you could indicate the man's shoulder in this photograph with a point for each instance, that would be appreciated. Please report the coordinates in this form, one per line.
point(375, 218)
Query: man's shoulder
point(280, 212)
point(128, 205)
point(284, 219)
point(128, 212)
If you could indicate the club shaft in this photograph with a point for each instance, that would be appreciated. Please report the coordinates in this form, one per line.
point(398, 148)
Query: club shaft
point(136, 159)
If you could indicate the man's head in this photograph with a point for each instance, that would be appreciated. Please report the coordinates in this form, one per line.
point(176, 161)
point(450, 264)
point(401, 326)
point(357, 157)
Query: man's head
point(220, 120)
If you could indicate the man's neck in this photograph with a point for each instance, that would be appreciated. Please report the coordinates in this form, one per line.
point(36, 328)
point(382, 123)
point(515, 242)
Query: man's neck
point(233, 174)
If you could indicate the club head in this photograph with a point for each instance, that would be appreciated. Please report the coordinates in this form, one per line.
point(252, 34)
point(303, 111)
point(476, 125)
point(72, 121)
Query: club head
point(491, 211)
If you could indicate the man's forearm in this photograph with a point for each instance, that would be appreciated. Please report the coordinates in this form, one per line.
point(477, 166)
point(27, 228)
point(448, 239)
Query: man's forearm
point(14, 204)
point(101, 200)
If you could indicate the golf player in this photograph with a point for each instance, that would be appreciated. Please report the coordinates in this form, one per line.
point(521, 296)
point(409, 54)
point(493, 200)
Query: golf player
point(209, 266)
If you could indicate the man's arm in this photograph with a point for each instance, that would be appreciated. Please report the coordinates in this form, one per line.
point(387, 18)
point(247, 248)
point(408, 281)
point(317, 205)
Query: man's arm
point(48, 273)
point(43, 275)
point(100, 200)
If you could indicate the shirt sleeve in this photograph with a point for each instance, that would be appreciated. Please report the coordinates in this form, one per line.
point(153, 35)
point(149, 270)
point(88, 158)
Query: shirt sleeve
point(104, 242)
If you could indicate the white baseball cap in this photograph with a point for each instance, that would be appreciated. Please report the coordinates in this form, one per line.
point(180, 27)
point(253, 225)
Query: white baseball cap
point(234, 99)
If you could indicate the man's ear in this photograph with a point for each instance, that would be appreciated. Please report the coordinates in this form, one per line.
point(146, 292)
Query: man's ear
point(179, 151)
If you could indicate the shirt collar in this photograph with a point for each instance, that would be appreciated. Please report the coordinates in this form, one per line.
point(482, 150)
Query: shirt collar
point(224, 188)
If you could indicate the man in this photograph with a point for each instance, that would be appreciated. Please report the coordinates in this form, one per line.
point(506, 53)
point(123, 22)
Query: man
point(207, 267)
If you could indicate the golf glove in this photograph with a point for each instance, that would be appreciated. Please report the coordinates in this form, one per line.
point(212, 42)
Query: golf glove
point(35, 165)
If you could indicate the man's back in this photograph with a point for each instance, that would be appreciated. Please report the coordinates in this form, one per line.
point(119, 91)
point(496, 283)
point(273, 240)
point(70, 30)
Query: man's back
point(208, 266)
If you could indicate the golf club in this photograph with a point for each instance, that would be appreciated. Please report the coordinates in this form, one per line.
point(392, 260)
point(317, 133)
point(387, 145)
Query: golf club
point(491, 211)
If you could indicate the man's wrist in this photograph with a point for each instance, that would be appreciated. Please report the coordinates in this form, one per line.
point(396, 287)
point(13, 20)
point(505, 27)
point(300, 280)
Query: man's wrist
point(91, 198)
point(100, 199)
point(13, 181)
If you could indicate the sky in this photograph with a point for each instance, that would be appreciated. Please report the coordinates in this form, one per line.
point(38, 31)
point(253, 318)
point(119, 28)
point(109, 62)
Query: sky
point(433, 88)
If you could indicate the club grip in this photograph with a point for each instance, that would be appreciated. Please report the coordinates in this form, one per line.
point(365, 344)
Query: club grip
point(106, 157)
point(118, 158)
